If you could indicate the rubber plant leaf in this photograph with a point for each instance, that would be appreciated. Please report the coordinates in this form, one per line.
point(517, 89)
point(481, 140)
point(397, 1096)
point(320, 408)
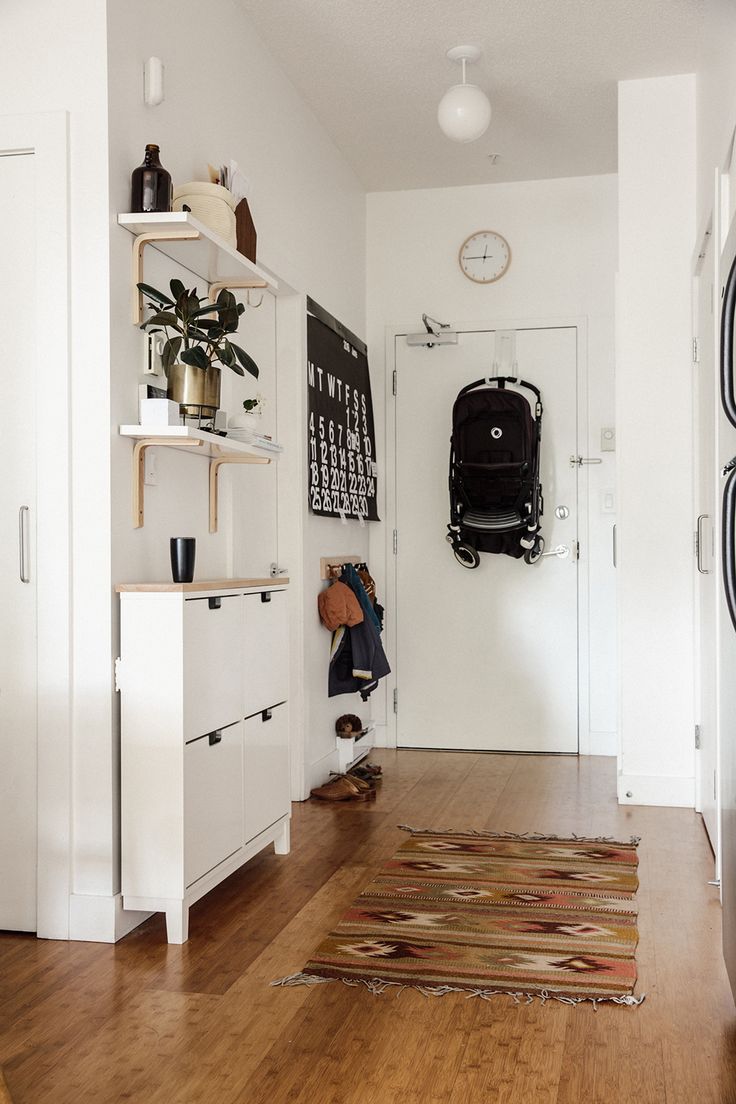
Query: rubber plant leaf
point(152, 293)
point(196, 356)
point(248, 363)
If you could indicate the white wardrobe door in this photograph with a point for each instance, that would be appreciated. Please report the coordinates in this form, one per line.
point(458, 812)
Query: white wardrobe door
point(265, 650)
point(266, 769)
point(18, 682)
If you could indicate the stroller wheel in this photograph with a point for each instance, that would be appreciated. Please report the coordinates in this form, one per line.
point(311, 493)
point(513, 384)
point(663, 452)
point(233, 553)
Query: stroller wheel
point(532, 554)
point(466, 556)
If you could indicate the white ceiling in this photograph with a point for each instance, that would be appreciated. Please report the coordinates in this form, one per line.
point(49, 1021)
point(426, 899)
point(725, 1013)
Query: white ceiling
point(373, 71)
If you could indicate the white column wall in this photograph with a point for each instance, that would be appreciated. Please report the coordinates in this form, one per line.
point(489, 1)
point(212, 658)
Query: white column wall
point(653, 404)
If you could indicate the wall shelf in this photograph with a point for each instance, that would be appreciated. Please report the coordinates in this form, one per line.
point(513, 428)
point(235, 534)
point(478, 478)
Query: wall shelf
point(218, 450)
point(188, 242)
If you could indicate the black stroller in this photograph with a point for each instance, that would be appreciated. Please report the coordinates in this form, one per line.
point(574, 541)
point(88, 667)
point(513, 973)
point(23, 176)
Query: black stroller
point(495, 495)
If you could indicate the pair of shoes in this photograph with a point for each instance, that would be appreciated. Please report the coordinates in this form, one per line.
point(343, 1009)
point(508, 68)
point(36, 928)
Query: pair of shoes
point(367, 772)
point(363, 784)
point(342, 788)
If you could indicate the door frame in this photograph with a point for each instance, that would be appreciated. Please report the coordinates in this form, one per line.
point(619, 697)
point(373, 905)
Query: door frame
point(580, 325)
point(46, 136)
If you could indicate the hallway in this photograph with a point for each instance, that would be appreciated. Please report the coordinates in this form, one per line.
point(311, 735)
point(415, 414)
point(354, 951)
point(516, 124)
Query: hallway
point(146, 1021)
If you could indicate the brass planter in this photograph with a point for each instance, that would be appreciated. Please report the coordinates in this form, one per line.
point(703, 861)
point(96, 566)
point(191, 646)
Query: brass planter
point(197, 390)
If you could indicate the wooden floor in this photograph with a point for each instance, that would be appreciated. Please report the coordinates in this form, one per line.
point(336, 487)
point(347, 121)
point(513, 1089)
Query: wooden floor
point(143, 1021)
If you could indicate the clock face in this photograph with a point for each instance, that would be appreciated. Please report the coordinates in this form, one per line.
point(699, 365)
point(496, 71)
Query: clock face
point(484, 257)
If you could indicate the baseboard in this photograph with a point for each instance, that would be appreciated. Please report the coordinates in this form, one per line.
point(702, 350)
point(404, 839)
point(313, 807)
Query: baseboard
point(97, 919)
point(647, 789)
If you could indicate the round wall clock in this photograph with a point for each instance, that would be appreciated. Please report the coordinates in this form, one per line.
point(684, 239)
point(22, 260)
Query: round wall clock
point(484, 256)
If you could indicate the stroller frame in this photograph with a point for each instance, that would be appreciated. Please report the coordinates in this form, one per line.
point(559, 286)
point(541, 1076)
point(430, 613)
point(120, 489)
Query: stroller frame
point(513, 528)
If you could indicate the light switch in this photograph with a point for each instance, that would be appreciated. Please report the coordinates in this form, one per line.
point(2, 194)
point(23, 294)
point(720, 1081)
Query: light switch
point(608, 439)
point(608, 502)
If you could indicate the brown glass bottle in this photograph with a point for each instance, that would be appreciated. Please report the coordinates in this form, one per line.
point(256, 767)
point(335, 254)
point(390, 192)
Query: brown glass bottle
point(151, 184)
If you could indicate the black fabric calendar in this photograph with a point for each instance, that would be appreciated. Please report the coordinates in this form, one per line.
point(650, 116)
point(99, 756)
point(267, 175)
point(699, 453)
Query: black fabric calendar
point(341, 441)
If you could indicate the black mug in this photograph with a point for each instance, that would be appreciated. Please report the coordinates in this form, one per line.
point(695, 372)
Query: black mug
point(182, 558)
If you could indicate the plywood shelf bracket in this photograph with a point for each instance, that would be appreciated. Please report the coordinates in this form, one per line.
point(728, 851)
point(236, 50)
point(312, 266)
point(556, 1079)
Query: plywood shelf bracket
point(139, 244)
point(139, 471)
point(215, 466)
point(237, 284)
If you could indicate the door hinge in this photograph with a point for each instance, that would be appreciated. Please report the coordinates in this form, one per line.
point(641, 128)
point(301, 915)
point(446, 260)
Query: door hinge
point(396, 700)
point(697, 736)
point(396, 542)
point(117, 674)
point(696, 351)
point(394, 381)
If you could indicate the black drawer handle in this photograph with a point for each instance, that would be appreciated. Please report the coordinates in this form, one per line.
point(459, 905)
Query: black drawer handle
point(265, 595)
point(215, 737)
point(267, 714)
point(214, 603)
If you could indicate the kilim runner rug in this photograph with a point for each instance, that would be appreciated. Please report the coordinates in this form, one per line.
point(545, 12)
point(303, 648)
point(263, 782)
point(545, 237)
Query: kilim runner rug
point(488, 913)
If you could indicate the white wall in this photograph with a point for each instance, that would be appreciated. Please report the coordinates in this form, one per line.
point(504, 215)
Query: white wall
point(309, 211)
point(563, 241)
point(654, 415)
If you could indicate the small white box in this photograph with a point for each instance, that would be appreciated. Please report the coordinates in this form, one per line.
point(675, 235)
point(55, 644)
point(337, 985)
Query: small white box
point(160, 412)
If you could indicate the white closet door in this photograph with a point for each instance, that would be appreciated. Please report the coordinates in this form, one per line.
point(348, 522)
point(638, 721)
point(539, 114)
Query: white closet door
point(18, 797)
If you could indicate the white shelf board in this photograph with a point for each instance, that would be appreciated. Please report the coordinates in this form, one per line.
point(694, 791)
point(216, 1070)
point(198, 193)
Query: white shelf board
point(210, 257)
point(213, 445)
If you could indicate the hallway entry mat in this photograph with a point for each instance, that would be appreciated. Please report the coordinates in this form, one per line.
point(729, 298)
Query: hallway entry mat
point(490, 913)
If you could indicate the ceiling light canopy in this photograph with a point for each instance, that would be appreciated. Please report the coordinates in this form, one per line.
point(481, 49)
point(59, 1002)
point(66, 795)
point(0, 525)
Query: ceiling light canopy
point(464, 112)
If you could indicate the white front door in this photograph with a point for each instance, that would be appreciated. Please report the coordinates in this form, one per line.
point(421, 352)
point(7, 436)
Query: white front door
point(706, 579)
point(487, 659)
point(18, 795)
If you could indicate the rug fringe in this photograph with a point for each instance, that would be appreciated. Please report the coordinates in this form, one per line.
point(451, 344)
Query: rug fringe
point(378, 986)
point(532, 837)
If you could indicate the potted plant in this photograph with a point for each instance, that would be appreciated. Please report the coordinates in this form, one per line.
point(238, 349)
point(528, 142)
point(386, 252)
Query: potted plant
point(198, 339)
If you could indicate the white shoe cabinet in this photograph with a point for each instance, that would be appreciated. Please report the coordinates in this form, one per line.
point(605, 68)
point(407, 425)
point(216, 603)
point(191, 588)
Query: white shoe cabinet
point(203, 675)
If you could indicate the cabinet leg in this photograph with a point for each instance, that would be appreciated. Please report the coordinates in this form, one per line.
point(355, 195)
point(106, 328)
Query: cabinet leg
point(282, 843)
point(177, 923)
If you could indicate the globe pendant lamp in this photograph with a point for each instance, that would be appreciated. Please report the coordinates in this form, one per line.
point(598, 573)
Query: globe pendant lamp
point(464, 112)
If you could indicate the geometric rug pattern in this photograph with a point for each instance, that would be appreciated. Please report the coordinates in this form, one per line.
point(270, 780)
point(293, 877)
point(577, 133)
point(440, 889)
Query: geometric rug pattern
point(489, 913)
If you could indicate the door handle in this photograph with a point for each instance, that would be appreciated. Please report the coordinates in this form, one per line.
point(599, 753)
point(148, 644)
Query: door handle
point(728, 545)
point(578, 461)
point(699, 546)
point(728, 400)
point(23, 514)
point(562, 551)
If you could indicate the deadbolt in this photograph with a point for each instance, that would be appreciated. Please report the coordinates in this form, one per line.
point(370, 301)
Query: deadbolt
point(562, 512)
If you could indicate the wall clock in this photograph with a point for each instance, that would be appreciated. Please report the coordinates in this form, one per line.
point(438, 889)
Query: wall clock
point(484, 257)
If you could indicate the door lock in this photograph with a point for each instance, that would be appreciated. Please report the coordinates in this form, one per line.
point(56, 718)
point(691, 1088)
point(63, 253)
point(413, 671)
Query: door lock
point(562, 512)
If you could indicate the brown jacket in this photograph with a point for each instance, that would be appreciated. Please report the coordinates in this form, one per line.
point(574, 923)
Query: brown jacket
point(339, 606)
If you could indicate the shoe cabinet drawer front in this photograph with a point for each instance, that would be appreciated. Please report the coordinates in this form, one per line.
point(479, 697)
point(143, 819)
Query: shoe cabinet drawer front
point(265, 650)
point(213, 663)
point(266, 775)
point(213, 800)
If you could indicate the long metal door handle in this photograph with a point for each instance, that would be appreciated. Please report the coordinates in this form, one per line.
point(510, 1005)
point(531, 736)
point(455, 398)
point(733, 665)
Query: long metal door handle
point(578, 461)
point(23, 513)
point(728, 545)
point(728, 306)
point(699, 546)
point(562, 551)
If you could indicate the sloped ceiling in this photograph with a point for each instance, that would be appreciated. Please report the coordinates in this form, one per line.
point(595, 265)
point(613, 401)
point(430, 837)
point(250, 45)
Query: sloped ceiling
point(373, 72)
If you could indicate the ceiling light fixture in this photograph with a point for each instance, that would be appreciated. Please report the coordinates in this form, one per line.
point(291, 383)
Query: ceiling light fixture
point(464, 112)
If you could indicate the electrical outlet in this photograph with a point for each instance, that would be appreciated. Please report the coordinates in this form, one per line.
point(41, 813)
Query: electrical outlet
point(152, 362)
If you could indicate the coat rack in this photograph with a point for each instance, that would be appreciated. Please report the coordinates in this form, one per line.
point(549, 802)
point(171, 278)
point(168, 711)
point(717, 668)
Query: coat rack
point(331, 566)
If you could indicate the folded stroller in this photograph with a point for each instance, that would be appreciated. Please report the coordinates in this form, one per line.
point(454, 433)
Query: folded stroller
point(495, 495)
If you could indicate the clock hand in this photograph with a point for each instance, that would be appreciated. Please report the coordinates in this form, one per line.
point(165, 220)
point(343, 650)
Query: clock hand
point(478, 257)
point(485, 250)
